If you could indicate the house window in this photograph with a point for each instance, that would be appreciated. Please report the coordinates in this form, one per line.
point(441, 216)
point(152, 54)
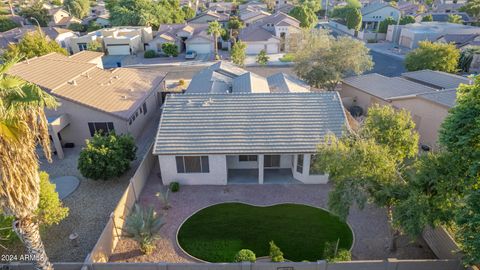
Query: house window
point(101, 127)
point(243, 158)
point(314, 169)
point(82, 46)
point(144, 106)
point(192, 164)
point(300, 163)
point(272, 161)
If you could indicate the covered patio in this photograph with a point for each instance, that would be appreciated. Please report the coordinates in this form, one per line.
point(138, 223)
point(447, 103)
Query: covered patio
point(270, 176)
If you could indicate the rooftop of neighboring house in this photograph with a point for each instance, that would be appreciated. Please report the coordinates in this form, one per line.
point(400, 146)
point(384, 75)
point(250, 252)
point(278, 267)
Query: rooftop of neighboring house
point(446, 98)
point(443, 17)
point(257, 32)
point(438, 27)
point(118, 92)
point(221, 6)
point(436, 79)
point(222, 17)
point(372, 7)
point(170, 31)
point(447, 7)
point(223, 77)
point(253, 4)
point(121, 32)
point(16, 34)
point(248, 123)
point(386, 88)
point(251, 13)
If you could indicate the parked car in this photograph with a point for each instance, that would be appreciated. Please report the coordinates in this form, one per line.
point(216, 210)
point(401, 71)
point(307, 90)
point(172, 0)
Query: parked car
point(190, 55)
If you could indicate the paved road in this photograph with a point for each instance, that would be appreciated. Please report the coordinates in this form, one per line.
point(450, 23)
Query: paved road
point(387, 65)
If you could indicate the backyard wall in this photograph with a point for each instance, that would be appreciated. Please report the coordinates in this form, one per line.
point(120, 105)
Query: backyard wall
point(113, 230)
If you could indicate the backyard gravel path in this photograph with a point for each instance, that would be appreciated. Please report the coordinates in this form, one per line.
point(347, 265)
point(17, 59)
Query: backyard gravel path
point(369, 225)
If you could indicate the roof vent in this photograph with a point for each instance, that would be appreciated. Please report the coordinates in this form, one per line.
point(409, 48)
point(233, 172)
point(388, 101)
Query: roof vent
point(116, 77)
point(207, 102)
point(190, 102)
point(73, 82)
point(124, 97)
point(131, 90)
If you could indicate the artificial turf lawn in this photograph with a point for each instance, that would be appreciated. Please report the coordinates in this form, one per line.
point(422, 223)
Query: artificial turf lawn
point(218, 232)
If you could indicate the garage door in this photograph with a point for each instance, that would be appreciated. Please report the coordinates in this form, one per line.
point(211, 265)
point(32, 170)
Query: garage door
point(118, 49)
point(272, 48)
point(406, 42)
point(199, 48)
point(254, 48)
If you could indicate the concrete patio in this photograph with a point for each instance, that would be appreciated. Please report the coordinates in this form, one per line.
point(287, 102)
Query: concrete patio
point(271, 176)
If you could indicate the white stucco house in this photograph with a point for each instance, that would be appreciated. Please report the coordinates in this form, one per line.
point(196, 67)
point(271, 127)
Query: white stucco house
point(219, 139)
point(374, 13)
point(187, 37)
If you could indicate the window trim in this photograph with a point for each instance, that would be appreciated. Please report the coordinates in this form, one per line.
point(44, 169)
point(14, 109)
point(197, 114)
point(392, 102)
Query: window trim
point(300, 163)
point(93, 129)
point(204, 164)
point(248, 158)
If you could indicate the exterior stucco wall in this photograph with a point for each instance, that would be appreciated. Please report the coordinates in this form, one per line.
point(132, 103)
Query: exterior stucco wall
point(381, 14)
point(428, 117)
point(305, 176)
point(216, 176)
point(153, 108)
point(352, 96)
point(234, 163)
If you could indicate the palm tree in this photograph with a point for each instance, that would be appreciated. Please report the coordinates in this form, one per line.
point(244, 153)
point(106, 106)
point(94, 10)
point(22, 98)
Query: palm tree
point(22, 125)
point(455, 18)
point(215, 29)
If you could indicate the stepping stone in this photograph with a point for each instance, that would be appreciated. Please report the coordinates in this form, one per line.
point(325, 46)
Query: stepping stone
point(65, 185)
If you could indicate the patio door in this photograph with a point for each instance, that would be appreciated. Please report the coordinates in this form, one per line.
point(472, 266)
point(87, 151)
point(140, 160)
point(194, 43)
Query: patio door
point(272, 161)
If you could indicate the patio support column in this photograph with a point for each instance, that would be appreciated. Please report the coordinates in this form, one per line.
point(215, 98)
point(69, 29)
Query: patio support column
point(57, 144)
point(260, 168)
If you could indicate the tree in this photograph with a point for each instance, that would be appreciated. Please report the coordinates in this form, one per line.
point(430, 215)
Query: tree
point(6, 24)
point(472, 8)
point(93, 26)
point(106, 156)
point(38, 12)
point(427, 18)
point(215, 29)
point(434, 56)
point(170, 49)
point(95, 46)
point(367, 164)
point(22, 125)
point(235, 24)
point(383, 27)
point(455, 18)
point(238, 53)
point(313, 5)
point(262, 58)
point(245, 255)
point(354, 19)
point(77, 27)
point(354, 3)
point(78, 8)
point(188, 12)
point(305, 15)
point(322, 61)
point(469, 228)
point(31, 45)
point(407, 20)
point(276, 254)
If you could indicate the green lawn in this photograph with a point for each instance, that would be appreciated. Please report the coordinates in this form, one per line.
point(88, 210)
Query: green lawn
point(216, 233)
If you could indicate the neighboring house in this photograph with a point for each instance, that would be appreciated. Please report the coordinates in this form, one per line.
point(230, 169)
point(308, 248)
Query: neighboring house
point(409, 35)
point(374, 13)
point(407, 8)
point(210, 16)
point(461, 40)
point(222, 7)
point(123, 100)
point(258, 5)
point(443, 17)
point(187, 37)
point(270, 33)
point(223, 77)
point(117, 40)
point(448, 7)
point(61, 18)
point(102, 20)
point(426, 94)
point(252, 15)
point(218, 139)
point(59, 35)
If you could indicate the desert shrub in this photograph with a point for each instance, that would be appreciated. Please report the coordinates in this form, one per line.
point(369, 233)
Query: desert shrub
point(288, 57)
point(343, 255)
point(245, 255)
point(6, 24)
point(174, 186)
point(143, 225)
point(275, 253)
point(149, 54)
point(262, 58)
point(106, 156)
point(170, 49)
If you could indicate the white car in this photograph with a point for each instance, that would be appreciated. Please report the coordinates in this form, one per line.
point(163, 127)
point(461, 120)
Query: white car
point(190, 55)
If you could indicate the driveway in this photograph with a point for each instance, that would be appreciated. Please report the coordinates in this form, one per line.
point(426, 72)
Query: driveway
point(369, 225)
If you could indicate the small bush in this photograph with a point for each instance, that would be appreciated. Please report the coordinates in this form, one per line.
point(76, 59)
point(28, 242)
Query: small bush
point(7, 235)
point(50, 209)
point(262, 58)
point(6, 24)
point(343, 255)
point(170, 49)
point(245, 255)
point(143, 225)
point(181, 82)
point(174, 186)
point(77, 27)
point(275, 253)
point(149, 54)
point(106, 156)
point(288, 57)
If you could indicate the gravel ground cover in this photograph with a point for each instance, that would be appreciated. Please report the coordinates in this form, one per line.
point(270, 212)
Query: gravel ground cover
point(371, 231)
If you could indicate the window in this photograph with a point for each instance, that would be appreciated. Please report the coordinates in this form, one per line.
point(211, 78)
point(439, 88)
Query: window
point(101, 127)
point(82, 46)
point(272, 161)
point(314, 169)
point(144, 106)
point(192, 164)
point(300, 163)
point(242, 158)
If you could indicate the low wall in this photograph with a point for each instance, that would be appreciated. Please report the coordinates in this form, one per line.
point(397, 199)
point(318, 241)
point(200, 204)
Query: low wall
point(341, 27)
point(108, 240)
point(390, 264)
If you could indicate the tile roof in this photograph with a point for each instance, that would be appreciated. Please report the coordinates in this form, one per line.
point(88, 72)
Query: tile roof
point(386, 88)
point(85, 56)
point(248, 123)
point(255, 33)
point(118, 92)
point(16, 34)
point(443, 97)
point(459, 40)
point(436, 79)
point(284, 83)
point(250, 83)
point(216, 78)
point(443, 17)
point(374, 7)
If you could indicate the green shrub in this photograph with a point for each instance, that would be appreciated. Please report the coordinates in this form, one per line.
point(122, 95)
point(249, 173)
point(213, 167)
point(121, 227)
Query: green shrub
point(275, 253)
point(106, 156)
point(343, 255)
point(93, 26)
point(95, 46)
point(143, 225)
point(262, 58)
point(170, 49)
point(77, 27)
point(6, 24)
point(245, 255)
point(174, 186)
point(288, 57)
point(149, 54)
point(7, 235)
